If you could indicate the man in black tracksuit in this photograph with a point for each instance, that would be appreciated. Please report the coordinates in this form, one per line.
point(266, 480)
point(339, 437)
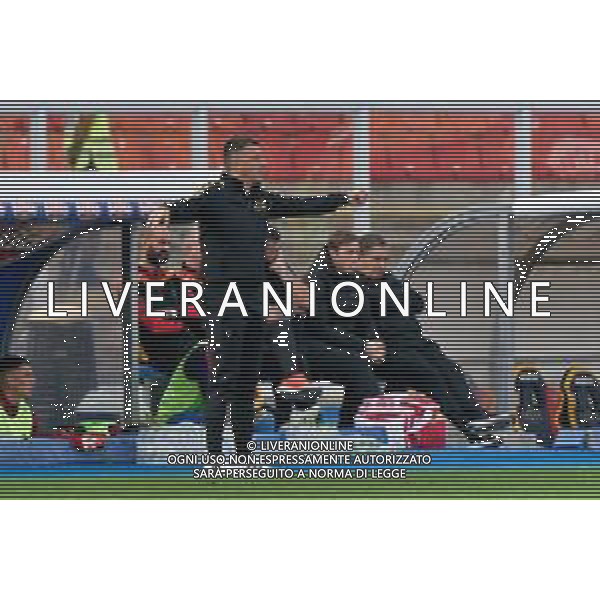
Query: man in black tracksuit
point(282, 364)
point(233, 214)
point(336, 348)
point(413, 361)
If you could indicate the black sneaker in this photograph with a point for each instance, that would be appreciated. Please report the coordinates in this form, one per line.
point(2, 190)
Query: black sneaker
point(288, 399)
point(301, 399)
point(484, 440)
point(491, 423)
point(482, 431)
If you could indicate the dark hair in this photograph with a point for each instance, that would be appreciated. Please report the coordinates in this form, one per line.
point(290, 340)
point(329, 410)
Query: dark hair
point(10, 362)
point(237, 143)
point(273, 235)
point(341, 238)
point(370, 241)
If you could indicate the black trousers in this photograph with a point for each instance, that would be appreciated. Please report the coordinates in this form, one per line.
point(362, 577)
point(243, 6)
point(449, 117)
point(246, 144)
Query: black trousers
point(278, 352)
point(421, 365)
point(236, 345)
point(344, 367)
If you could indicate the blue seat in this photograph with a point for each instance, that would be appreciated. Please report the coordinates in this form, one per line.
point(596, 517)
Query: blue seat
point(187, 417)
point(36, 451)
point(148, 373)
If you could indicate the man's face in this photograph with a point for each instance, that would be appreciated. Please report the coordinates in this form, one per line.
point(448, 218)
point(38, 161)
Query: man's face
point(248, 164)
point(20, 381)
point(154, 242)
point(374, 262)
point(345, 258)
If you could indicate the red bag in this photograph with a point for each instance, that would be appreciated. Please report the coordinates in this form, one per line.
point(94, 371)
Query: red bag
point(411, 420)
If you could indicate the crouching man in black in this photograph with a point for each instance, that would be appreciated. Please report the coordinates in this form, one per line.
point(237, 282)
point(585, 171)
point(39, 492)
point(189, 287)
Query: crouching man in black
point(337, 348)
point(415, 362)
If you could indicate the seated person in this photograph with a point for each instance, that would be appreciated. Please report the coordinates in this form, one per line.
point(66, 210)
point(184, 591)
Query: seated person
point(280, 363)
point(414, 362)
point(335, 348)
point(165, 341)
point(16, 385)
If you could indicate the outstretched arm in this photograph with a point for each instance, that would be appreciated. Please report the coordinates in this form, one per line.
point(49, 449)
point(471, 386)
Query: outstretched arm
point(278, 205)
point(190, 209)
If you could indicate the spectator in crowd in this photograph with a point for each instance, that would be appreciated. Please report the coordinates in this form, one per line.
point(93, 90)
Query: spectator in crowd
point(166, 340)
point(17, 419)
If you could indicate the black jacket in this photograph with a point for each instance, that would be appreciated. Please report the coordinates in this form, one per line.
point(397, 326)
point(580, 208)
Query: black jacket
point(233, 228)
point(394, 328)
point(331, 329)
